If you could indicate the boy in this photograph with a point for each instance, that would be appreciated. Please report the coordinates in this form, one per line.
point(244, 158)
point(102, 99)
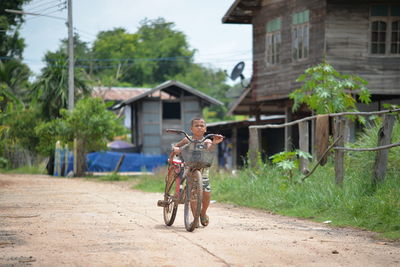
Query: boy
point(199, 128)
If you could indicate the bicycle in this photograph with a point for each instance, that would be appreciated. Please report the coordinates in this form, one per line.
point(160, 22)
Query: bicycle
point(186, 187)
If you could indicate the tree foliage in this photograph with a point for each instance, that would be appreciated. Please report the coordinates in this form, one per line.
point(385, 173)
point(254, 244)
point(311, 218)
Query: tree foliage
point(325, 90)
point(21, 125)
point(148, 57)
point(14, 83)
point(11, 44)
point(90, 123)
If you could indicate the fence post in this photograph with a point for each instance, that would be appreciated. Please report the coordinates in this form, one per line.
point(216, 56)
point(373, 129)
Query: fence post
point(57, 159)
point(339, 154)
point(384, 138)
point(288, 129)
point(303, 144)
point(254, 146)
point(234, 147)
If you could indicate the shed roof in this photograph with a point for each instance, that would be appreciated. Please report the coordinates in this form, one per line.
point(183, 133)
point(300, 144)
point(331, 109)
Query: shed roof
point(241, 11)
point(170, 87)
point(117, 93)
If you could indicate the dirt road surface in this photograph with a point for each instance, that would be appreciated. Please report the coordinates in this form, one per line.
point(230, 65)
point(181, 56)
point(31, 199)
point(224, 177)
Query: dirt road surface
point(47, 221)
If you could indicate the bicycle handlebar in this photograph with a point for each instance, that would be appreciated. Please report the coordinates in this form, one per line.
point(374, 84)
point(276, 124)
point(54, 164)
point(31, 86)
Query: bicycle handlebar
point(188, 137)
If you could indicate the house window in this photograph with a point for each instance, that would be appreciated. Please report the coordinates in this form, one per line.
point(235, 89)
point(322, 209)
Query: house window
point(385, 29)
point(171, 110)
point(300, 34)
point(273, 42)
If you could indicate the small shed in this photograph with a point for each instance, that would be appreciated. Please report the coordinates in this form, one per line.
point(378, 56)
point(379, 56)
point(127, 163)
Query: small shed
point(116, 95)
point(171, 104)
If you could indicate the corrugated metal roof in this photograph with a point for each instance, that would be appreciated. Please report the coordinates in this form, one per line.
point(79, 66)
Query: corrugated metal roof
point(124, 93)
point(169, 88)
point(118, 93)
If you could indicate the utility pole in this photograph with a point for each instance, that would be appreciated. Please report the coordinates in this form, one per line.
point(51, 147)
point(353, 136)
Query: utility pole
point(71, 86)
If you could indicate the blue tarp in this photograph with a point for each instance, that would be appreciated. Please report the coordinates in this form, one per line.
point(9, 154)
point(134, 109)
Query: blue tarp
point(107, 162)
point(133, 162)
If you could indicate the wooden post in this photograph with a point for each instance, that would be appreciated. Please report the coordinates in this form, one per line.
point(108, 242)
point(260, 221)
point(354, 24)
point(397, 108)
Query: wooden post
point(254, 146)
point(288, 129)
point(303, 144)
point(234, 147)
point(313, 149)
point(119, 163)
point(384, 138)
point(339, 154)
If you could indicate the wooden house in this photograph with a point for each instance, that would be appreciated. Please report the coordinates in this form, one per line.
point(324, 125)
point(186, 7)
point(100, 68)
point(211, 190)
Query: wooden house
point(171, 104)
point(360, 37)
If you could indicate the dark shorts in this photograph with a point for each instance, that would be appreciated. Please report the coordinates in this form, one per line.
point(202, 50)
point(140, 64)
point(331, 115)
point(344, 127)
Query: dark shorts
point(206, 184)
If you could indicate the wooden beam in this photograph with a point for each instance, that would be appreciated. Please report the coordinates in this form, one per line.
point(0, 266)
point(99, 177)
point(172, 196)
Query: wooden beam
point(330, 115)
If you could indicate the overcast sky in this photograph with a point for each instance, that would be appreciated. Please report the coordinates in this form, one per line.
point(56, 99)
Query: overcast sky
point(219, 45)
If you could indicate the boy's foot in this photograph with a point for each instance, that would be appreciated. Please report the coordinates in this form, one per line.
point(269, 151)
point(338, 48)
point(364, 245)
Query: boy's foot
point(204, 220)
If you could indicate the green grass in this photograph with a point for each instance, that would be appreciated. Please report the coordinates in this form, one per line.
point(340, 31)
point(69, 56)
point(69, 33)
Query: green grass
point(113, 177)
point(152, 183)
point(26, 170)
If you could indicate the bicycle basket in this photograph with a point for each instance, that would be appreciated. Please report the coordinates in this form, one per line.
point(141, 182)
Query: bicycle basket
point(197, 158)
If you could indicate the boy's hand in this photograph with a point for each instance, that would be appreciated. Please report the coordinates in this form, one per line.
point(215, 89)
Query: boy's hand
point(217, 139)
point(176, 150)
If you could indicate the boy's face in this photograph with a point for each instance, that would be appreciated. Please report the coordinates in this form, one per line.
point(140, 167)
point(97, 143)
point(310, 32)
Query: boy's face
point(199, 127)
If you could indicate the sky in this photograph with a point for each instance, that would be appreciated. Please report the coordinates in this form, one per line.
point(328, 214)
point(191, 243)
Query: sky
point(218, 45)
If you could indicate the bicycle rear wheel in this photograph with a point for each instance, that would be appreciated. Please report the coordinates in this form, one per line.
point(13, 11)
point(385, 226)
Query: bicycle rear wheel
point(194, 197)
point(171, 206)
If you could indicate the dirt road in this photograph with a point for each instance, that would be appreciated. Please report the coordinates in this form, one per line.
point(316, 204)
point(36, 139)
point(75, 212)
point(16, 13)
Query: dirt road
point(47, 221)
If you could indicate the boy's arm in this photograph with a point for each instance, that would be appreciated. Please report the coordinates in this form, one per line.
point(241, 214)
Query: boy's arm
point(216, 140)
point(177, 146)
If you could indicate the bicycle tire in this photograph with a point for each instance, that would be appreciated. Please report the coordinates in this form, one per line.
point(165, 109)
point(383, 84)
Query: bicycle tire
point(193, 201)
point(170, 210)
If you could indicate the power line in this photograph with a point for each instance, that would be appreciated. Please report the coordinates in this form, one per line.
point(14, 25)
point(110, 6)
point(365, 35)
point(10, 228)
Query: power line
point(58, 7)
point(37, 7)
point(36, 2)
point(46, 15)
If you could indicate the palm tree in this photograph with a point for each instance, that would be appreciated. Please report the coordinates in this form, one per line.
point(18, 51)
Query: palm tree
point(13, 83)
point(51, 88)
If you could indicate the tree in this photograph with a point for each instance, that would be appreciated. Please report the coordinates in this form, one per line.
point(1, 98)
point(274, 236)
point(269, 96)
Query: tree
point(166, 48)
point(113, 52)
point(20, 128)
point(11, 45)
point(91, 124)
point(325, 90)
point(148, 57)
point(13, 83)
point(13, 80)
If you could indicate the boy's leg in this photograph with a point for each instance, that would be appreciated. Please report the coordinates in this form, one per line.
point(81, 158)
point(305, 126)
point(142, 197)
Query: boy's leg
point(206, 203)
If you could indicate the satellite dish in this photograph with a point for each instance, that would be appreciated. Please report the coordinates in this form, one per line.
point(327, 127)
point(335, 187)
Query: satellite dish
point(237, 71)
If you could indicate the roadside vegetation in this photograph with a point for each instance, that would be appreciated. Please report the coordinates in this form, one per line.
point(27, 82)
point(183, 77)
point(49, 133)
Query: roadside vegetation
point(357, 203)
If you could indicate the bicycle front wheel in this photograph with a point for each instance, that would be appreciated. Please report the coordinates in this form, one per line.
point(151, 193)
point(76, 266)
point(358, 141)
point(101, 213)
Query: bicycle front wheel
point(194, 197)
point(171, 206)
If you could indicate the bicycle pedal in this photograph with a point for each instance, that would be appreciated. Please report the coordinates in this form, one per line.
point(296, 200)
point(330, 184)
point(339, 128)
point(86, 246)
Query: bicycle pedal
point(162, 203)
